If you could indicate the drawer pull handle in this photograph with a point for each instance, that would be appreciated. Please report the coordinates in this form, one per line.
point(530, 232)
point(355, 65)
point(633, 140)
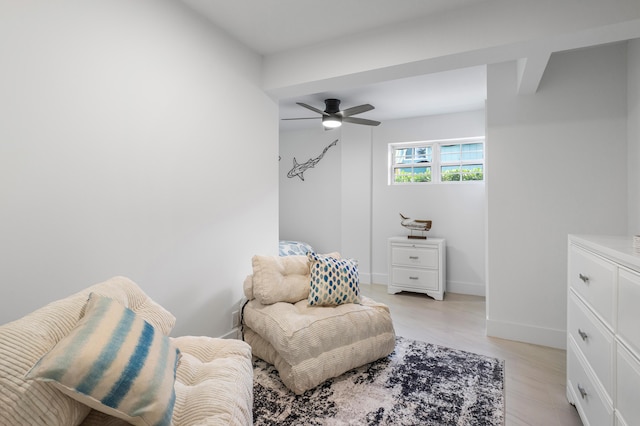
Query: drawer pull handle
point(583, 335)
point(413, 278)
point(583, 393)
point(413, 257)
point(584, 278)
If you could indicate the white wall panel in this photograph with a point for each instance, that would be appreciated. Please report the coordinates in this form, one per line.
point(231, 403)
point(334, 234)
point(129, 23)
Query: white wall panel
point(457, 210)
point(633, 126)
point(135, 140)
point(310, 209)
point(556, 165)
point(356, 174)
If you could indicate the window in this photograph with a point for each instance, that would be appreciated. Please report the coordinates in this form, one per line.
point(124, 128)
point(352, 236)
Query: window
point(457, 160)
point(412, 164)
point(462, 161)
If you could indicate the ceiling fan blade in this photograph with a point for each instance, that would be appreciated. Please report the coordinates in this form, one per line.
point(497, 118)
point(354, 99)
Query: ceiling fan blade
point(302, 118)
point(356, 110)
point(364, 121)
point(312, 108)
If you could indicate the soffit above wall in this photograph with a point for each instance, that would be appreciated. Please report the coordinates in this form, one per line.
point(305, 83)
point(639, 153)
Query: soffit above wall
point(272, 26)
point(386, 53)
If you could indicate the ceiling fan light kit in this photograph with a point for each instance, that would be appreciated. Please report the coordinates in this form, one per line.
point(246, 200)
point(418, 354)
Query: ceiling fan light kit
point(331, 121)
point(333, 117)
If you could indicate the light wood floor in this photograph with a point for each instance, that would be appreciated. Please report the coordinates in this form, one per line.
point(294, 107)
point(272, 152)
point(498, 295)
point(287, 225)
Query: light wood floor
point(535, 376)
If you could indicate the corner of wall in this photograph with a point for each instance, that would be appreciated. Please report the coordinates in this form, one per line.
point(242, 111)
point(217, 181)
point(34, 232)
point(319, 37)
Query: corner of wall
point(527, 333)
point(633, 135)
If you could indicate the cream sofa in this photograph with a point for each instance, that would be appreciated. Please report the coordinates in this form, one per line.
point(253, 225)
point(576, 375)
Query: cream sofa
point(213, 379)
point(309, 344)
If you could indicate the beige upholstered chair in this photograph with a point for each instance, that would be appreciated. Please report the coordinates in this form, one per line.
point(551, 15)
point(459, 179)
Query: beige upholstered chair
point(214, 377)
point(309, 344)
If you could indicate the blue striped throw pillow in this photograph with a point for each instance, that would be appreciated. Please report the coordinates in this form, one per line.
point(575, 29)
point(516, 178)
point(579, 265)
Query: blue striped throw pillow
point(114, 362)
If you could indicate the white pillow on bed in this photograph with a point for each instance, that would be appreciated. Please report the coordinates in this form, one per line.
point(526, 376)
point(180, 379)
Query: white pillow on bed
point(294, 248)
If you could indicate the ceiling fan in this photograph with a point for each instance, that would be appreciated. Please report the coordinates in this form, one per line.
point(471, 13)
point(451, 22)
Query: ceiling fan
point(332, 117)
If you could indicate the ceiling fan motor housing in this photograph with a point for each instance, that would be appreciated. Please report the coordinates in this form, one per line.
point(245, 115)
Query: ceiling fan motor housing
point(332, 106)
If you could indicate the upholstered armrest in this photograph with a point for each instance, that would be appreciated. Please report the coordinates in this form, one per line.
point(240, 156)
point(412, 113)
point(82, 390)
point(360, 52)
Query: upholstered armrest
point(214, 385)
point(214, 382)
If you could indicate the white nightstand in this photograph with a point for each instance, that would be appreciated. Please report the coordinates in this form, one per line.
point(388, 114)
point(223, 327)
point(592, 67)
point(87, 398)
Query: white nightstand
point(417, 265)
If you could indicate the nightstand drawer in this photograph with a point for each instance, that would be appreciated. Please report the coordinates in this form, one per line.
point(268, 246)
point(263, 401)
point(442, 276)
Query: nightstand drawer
point(588, 396)
point(424, 257)
point(593, 279)
point(593, 339)
point(424, 279)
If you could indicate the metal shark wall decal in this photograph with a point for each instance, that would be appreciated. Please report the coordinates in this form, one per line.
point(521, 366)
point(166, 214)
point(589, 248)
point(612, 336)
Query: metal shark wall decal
point(299, 169)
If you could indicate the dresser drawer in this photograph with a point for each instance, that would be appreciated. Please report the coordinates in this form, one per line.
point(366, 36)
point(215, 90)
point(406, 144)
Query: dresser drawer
point(593, 339)
point(415, 278)
point(627, 391)
point(629, 309)
point(407, 255)
point(593, 278)
point(593, 405)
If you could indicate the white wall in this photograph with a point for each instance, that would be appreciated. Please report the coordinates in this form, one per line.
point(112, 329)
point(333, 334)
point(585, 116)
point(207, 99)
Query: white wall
point(345, 203)
point(331, 208)
point(457, 210)
point(123, 150)
point(356, 192)
point(310, 210)
point(633, 126)
point(556, 164)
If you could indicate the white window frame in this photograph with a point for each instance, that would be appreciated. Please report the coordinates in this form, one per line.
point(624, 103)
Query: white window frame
point(435, 163)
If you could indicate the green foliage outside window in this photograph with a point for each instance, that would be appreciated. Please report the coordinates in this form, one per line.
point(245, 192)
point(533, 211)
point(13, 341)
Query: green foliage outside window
point(407, 175)
point(453, 175)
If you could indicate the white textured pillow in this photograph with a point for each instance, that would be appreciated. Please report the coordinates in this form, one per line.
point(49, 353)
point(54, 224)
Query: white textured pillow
point(114, 362)
point(333, 281)
point(281, 278)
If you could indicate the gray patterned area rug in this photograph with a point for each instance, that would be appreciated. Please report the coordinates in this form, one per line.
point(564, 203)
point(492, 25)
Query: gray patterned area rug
point(418, 384)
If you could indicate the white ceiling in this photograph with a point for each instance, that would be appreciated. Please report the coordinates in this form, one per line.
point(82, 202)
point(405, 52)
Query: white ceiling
point(437, 93)
point(272, 26)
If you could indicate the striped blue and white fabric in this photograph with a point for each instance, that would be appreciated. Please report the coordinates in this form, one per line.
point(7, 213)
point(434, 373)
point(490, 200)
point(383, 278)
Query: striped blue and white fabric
point(114, 362)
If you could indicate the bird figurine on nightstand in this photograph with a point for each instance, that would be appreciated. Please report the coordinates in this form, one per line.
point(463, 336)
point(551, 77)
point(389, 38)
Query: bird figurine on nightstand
point(415, 225)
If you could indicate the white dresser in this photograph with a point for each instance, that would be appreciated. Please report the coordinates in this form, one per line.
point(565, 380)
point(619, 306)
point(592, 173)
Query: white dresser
point(603, 330)
point(417, 265)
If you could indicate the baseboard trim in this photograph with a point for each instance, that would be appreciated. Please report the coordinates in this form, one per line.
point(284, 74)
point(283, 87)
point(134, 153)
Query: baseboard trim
point(365, 278)
point(527, 334)
point(460, 287)
point(382, 279)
